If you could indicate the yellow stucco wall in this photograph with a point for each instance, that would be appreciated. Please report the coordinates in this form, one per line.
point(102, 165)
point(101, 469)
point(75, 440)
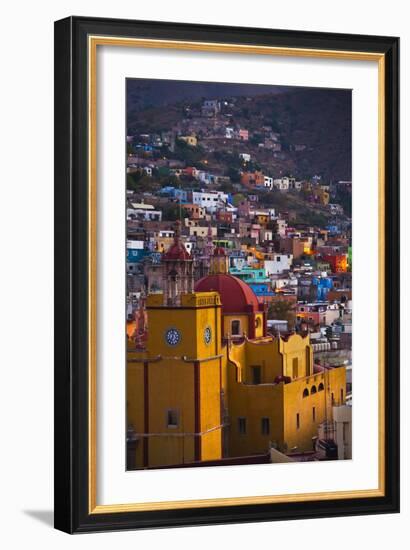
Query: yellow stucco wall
point(297, 352)
point(210, 409)
point(135, 405)
point(227, 324)
point(185, 378)
point(279, 402)
point(300, 438)
point(214, 382)
point(171, 384)
point(254, 403)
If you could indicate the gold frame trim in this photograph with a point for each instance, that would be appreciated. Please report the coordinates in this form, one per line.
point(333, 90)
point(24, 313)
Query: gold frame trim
point(93, 42)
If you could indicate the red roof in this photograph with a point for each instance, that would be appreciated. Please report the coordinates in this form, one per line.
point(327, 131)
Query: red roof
point(177, 252)
point(236, 296)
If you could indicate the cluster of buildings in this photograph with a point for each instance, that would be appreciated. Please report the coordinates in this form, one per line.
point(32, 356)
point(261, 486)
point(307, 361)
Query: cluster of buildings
point(212, 129)
point(263, 247)
point(216, 374)
point(238, 315)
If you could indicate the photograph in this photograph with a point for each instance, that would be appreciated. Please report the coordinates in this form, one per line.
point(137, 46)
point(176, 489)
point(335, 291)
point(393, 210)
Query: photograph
point(238, 306)
point(215, 187)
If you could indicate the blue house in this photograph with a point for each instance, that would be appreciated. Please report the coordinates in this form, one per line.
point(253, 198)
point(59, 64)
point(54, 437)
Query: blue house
point(323, 285)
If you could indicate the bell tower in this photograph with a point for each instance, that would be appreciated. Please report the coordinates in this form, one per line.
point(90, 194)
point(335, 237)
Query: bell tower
point(219, 262)
point(178, 270)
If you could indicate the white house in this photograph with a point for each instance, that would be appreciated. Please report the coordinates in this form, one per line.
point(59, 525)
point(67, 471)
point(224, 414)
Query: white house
point(296, 185)
point(204, 177)
point(229, 132)
point(279, 264)
point(268, 182)
point(281, 227)
point(342, 418)
point(143, 212)
point(335, 209)
point(210, 200)
point(284, 184)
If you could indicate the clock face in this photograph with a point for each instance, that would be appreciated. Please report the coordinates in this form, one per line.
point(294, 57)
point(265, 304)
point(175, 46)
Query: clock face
point(207, 335)
point(173, 336)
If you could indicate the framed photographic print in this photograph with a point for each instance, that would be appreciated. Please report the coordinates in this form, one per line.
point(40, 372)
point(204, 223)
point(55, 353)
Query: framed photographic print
point(226, 274)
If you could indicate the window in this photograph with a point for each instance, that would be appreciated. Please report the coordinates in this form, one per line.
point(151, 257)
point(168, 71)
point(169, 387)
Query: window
point(256, 375)
point(265, 426)
point(242, 425)
point(341, 397)
point(321, 387)
point(333, 398)
point(235, 328)
point(295, 364)
point(297, 421)
point(305, 392)
point(172, 418)
point(314, 414)
point(313, 390)
point(278, 258)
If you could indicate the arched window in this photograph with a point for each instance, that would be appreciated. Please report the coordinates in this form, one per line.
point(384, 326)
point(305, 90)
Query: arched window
point(313, 390)
point(305, 392)
point(321, 387)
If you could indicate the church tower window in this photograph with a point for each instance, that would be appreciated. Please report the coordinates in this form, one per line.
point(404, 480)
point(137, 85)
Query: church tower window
point(172, 418)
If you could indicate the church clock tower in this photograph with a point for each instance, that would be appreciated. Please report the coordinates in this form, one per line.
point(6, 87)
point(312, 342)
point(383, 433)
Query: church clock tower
point(178, 270)
point(176, 384)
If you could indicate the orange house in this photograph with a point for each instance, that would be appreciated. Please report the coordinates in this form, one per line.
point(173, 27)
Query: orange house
point(253, 178)
point(338, 262)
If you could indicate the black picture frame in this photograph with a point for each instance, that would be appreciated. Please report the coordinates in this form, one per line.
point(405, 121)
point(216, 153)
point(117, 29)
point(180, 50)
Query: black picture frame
point(72, 513)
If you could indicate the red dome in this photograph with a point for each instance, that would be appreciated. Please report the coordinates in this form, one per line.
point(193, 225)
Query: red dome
point(236, 296)
point(177, 252)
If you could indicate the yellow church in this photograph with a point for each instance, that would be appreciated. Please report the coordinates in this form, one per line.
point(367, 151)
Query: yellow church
point(210, 384)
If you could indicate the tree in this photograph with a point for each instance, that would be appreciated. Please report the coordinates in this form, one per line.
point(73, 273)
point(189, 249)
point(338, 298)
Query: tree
point(226, 187)
point(282, 310)
point(172, 211)
point(139, 182)
point(190, 155)
point(233, 174)
point(344, 198)
point(238, 198)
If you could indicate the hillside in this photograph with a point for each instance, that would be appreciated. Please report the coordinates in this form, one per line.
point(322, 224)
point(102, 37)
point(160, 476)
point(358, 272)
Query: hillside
point(314, 124)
